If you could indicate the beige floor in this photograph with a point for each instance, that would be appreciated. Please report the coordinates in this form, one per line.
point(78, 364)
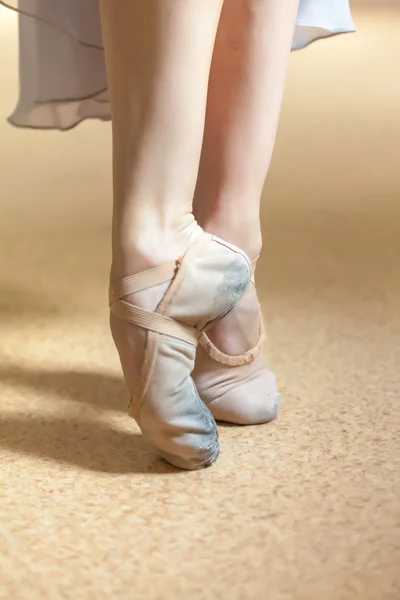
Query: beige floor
point(305, 509)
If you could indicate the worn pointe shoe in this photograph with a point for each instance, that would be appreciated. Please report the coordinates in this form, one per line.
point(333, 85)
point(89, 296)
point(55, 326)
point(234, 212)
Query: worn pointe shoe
point(202, 288)
point(237, 389)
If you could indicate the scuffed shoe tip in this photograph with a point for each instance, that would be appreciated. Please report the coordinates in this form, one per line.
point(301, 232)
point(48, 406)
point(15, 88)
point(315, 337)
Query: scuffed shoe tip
point(201, 459)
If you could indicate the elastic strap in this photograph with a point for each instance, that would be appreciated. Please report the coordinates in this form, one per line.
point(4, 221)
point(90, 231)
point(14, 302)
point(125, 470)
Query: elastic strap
point(141, 281)
point(242, 359)
point(155, 322)
point(229, 360)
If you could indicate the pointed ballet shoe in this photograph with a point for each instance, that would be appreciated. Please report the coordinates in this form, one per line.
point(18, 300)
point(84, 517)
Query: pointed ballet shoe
point(236, 389)
point(202, 287)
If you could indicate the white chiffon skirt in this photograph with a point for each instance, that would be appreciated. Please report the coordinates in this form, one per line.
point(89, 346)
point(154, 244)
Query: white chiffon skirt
point(62, 70)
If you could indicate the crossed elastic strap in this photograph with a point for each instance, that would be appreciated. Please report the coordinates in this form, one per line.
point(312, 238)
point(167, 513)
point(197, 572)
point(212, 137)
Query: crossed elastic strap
point(242, 359)
point(152, 321)
point(156, 323)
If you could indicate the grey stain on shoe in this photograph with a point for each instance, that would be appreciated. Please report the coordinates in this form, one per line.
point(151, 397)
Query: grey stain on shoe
point(275, 408)
point(233, 286)
point(205, 457)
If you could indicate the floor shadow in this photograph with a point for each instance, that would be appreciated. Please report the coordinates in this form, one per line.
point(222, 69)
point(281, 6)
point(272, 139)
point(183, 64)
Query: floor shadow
point(90, 445)
point(101, 390)
point(80, 441)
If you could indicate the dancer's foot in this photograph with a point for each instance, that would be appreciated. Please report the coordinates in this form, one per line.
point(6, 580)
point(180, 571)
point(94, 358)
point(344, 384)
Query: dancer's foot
point(157, 317)
point(230, 372)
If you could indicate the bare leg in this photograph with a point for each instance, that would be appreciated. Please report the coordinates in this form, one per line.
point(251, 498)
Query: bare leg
point(158, 55)
point(245, 93)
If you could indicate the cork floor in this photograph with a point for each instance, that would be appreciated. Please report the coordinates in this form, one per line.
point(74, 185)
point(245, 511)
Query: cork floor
point(304, 509)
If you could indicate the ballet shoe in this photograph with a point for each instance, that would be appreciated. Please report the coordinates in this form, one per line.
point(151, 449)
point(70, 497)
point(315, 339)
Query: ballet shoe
point(157, 318)
point(237, 388)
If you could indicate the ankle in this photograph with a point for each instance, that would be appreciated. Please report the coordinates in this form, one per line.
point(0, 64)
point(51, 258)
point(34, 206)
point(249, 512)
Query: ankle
point(232, 214)
point(246, 235)
point(142, 248)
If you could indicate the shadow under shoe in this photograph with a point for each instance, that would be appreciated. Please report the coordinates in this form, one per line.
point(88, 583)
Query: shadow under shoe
point(205, 285)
